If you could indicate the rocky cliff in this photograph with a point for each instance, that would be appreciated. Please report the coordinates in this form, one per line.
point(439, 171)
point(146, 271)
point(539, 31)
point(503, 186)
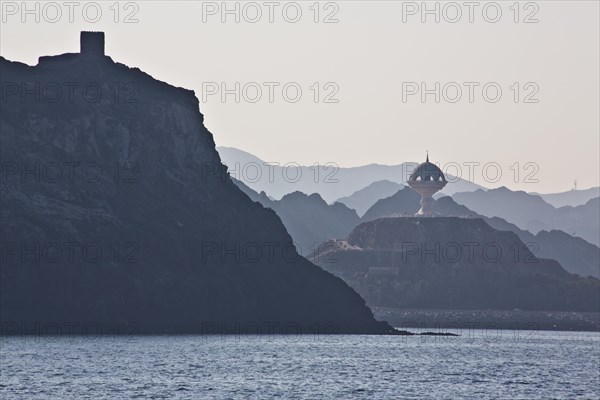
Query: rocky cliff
point(116, 211)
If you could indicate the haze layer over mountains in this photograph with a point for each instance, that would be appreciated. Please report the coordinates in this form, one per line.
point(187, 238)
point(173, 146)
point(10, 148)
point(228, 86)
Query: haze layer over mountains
point(327, 178)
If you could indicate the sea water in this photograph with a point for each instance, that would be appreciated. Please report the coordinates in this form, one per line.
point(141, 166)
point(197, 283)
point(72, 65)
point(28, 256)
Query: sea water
point(479, 364)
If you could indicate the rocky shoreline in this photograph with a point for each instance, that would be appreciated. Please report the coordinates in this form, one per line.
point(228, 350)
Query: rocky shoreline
point(453, 320)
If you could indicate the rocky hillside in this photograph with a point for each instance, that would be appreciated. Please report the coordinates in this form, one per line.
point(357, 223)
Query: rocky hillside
point(116, 211)
point(453, 263)
point(573, 253)
point(403, 202)
point(308, 218)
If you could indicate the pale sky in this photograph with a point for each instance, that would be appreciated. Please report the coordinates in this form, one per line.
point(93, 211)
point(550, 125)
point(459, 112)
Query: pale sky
point(369, 61)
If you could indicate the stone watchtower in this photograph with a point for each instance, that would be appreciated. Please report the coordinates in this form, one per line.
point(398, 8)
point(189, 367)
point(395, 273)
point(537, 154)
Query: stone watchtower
point(92, 44)
point(426, 180)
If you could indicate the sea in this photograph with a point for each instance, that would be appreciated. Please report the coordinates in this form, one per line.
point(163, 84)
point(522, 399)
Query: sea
point(478, 364)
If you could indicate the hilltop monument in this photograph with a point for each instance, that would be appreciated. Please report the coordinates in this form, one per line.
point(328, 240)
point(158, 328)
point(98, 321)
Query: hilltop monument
point(426, 180)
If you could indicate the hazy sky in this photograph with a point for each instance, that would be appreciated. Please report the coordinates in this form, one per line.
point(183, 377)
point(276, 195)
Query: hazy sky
point(371, 61)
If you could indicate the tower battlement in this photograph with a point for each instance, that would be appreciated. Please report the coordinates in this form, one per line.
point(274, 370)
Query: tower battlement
point(92, 43)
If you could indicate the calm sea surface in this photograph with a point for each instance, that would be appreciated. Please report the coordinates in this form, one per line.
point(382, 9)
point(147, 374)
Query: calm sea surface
point(477, 365)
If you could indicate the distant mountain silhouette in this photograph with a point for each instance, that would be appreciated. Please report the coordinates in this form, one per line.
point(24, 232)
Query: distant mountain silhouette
point(308, 218)
point(571, 198)
point(521, 208)
point(175, 245)
point(532, 213)
point(582, 221)
point(445, 263)
point(328, 180)
point(403, 202)
point(574, 254)
point(363, 199)
point(302, 220)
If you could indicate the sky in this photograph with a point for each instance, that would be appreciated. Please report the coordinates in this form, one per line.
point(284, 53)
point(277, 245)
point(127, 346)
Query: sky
point(501, 93)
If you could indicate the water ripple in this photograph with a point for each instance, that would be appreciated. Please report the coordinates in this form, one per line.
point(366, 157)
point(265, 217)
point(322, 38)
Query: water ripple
point(561, 365)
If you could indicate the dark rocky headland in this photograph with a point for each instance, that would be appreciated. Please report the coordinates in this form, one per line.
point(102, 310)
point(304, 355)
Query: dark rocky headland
point(117, 213)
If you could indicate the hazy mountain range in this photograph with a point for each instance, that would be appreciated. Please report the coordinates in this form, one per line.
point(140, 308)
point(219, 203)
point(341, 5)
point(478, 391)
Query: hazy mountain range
point(309, 220)
point(570, 198)
point(360, 188)
point(531, 212)
point(327, 179)
point(363, 199)
point(377, 270)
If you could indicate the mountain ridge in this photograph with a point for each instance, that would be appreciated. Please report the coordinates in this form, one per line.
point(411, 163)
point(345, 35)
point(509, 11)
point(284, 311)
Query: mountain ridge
point(531, 212)
point(329, 180)
point(555, 244)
